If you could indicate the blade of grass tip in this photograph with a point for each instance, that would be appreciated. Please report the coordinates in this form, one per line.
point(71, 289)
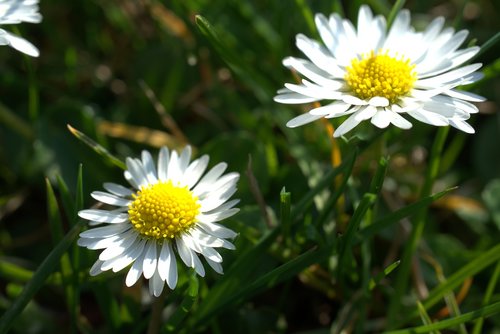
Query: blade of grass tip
point(346, 241)
point(176, 320)
point(394, 12)
point(285, 220)
point(487, 45)
point(307, 199)
point(378, 178)
point(55, 221)
point(454, 280)
point(483, 312)
point(48, 266)
point(380, 6)
point(67, 200)
point(376, 280)
point(404, 212)
point(402, 277)
point(425, 317)
point(478, 327)
point(338, 8)
point(97, 148)
point(308, 15)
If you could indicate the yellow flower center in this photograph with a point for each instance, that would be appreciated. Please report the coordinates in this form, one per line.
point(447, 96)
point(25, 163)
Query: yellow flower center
point(380, 75)
point(162, 210)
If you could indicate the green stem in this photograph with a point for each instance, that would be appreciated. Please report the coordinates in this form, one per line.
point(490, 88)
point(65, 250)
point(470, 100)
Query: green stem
point(394, 12)
point(483, 312)
point(418, 227)
point(47, 267)
point(156, 311)
point(487, 296)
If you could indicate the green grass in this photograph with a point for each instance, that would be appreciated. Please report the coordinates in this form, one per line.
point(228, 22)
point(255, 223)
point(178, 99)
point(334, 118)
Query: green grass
point(391, 231)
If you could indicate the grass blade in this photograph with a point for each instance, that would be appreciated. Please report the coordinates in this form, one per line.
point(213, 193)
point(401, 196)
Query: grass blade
point(47, 267)
point(483, 312)
point(96, 147)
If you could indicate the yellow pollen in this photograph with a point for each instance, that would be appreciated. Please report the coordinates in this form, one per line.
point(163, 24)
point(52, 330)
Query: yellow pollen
point(380, 75)
point(163, 211)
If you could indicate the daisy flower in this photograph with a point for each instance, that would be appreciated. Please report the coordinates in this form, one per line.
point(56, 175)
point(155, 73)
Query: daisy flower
point(17, 11)
point(373, 74)
point(171, 209)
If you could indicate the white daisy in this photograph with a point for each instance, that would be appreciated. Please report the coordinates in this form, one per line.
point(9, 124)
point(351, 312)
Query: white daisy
point(370, 73)
point(171, 209)
point(17, 11)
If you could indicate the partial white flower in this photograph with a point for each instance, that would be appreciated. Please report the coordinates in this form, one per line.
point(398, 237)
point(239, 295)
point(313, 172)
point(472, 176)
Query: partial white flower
point(14, 12)
point(172, 208)
point(371, 74)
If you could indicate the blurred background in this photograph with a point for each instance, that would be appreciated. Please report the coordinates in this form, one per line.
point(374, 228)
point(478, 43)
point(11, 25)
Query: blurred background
point(139, 74)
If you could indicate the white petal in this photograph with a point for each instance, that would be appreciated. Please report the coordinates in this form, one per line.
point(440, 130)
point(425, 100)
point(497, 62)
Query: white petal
point(381, 119)
point(462, 125)
point(212, 254)
point(334, 108)
point(448, 76)
point(105, 231)
point(217, 267)
point(294, 98)
point(217, 216)
point(117, 189)
point(197, 265)
point(156, 284)
point(217, 230)
point(163, 161)
point(346, 126)
point(184, 159)
point(110, 199)
point(149, 167)
point(365, 113)
point(129, 257)
point(428, 117)
point(325, 32)
point(206, 239)
point(96, 243)
point(463, 95)
point(135, 271)
point(302, 119)
point(378, 101)
point(209, 178)
point(184, 253)
point(103, 216)
point(400, 122)
point(349, 99)
point(167, 266)
point(174, 172)
point(118, 248)
point(312, 72)
point(150, 259)
point(21, 44)
point(96, 268)
point(191, 243)
point(137, 172)
point(196, 170)
point(314, 91)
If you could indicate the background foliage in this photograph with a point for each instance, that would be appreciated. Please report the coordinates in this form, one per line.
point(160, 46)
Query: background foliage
point(136, 75)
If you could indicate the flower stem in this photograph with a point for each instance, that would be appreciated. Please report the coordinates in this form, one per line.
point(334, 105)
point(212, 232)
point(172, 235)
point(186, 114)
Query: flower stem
point(156, 311)
point(418, 226)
